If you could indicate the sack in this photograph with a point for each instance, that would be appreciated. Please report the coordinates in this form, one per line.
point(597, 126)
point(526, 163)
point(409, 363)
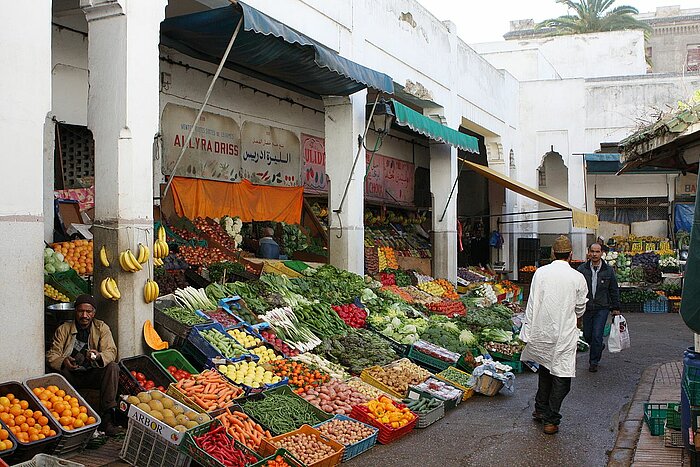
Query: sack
point(619, 338)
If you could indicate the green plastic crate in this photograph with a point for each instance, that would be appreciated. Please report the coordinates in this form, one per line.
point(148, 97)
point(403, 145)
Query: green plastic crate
point(165, 358)
point(655, 417)
point(673, 415)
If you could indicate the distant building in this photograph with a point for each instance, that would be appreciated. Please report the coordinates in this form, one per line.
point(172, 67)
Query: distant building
point(673, 47)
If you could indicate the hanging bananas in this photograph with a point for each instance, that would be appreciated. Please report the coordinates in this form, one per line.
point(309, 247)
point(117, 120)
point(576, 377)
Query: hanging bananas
point(144, 254)
point(157, 261)
point(129, 262)
point(160, 248)
point(150, 291)
point(109, 289)
point(103, 257)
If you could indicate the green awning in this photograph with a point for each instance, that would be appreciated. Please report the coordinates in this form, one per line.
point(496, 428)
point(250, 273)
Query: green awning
point(419, 123)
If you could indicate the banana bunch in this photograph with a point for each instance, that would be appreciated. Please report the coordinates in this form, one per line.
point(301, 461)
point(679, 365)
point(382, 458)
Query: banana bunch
point(160, 246)
point(144, 254)
point(129, 262)
point(150, 291)
point(109, 289)
point(103, 257)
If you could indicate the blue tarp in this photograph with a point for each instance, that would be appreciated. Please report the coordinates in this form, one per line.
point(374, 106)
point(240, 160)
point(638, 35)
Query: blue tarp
point(683, 216)
point(270, 51)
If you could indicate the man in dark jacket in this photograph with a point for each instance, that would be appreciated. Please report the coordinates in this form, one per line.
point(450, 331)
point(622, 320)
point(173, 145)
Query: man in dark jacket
point(603, 297)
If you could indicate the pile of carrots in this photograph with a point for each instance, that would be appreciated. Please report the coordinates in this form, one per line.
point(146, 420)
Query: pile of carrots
point(301, 377)
point(209, 390)
point(242, 428)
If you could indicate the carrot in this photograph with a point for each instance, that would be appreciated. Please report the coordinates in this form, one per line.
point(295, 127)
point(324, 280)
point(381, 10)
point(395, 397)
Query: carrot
point(240, 415)
point(209, 397)
point(237, 423)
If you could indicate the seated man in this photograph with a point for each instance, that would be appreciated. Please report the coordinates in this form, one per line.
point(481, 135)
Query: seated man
point(83, 351)
point(268, 247)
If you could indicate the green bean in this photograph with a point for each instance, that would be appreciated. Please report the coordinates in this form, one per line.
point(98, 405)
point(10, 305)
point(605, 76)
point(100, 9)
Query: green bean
point(281, 413)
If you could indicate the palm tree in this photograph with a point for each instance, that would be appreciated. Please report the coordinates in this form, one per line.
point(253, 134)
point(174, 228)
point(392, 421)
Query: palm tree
point(594, 16)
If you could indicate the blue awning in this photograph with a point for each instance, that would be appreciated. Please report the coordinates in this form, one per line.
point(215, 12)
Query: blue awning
point(609, 163)
point(269, 50)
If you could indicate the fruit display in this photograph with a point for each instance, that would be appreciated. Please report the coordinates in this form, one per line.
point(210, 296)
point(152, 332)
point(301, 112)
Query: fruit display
point(309, 449)
point(265, 354)
point(400, 375)
point(387, 412)
point(146, 383)
point(242, 429)
point(301, 377)
point(247, 340)
point(213, 230)
point(387, 258)
point(78, 255)
point(164, 409)
point(352, 315)
point(436, 351)
point(270, 336)
point(334, 397)
point(209, 390)
point(218, 445)
point(202, 256)
point(449, 289)
point(109, 289)
point(178, 373)
point(249, 374)
point(54, 261)
point(229, 348)
point(387, 278)
point(432, 287)
point(528, 269)
point(346, 432)
point(31, 425)
point(65, 408)
point(161, 249)
point(449, 308)
point(54, 294)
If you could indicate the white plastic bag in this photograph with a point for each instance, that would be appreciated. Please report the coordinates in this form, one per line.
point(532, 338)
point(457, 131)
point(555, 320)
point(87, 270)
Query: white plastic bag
point(619, 338)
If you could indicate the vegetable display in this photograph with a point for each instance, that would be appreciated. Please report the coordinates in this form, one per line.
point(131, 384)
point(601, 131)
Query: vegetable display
point(456, 376)
point(346, 432)
point(219, 446)
point(281, 413)
point(288, 328)
point(194, 299)
point(278, 343)
point(224, 269)
point(366, 388)
point(228, 347)
point(422, 405)
point(265, 354)
point(321, 319)
point(184, 315)
point(439, 389)
point(386, 412)
point(399, 376)
point(222, 317)
point(307, 448)
point(449, 308)
point(317, 362)
point(202, 256)
point(301, 377)
point(351, 314)
point(242, 429)
point(209, 390)
point(334, 397)
point(357, 350)
point(435, 351)
point(178, 373)
point(144, 382)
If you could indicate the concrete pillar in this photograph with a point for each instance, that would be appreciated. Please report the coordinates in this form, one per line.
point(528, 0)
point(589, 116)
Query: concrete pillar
point(443, 172)
point(49, 174)
point(123, 103)
point(25, 100)
point(345, 121)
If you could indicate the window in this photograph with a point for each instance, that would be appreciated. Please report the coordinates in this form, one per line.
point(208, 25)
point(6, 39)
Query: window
point(629, 210)
point(542, 176)
point(692, 62)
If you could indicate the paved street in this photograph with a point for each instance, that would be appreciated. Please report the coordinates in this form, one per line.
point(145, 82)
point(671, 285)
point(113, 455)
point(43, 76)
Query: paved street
point(499, 430)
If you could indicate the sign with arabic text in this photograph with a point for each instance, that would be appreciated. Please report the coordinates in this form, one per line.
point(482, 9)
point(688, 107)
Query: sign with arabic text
point(213, 152)
point(374, 180)
point(270, 155)
point(314, 174)
point(398, 180)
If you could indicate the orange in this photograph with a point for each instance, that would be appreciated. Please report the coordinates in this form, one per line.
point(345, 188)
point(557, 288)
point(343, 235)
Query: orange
point(75, 404)
point(78, 423)
point(30, 421)
point(47, 404)
point(10, 396)
point(43, 421)
point(41, 435)
point(59, 407)
point(8, 444)
point(53, 388)
point(66, 427)
point(83, 409)
point(67, 413)
point(83, 417)
point(37, 414)
point(15, 410)
point(4, 435)
point(4, 401)
point(37, 391)
point(14, 429)
point(28, 413)
point(65, 420)
point(24, 404)
point(75, 411)
point(4, 417)
point(54, 399)
point(52, 433)
point(32, 431)
point(45, 430)
point(55, 415)
point(91, 420)
point(60, 393)
point(33, 438)
point(19, 419)
point(24, 427)
point(10, 423)
point(67, 398)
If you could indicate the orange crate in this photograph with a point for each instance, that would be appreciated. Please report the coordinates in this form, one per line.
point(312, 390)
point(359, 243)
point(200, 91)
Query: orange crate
point(267, 447)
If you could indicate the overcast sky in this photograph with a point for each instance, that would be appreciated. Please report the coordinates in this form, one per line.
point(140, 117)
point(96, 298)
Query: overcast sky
point(487, 21)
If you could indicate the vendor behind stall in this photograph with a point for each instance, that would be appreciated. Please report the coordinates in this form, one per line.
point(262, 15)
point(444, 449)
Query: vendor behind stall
point(268, 247)
point(83, 351)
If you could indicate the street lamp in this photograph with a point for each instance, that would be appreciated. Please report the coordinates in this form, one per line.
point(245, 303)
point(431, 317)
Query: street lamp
point(383, 117)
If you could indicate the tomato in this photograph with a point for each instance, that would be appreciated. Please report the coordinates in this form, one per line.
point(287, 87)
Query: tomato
point(134, 373)
point(172, 369)
point(140, 377)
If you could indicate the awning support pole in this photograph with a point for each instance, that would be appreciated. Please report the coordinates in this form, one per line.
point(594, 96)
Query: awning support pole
point(204, 104)
point(514, 213)
point(521, 221)
point(454, 185)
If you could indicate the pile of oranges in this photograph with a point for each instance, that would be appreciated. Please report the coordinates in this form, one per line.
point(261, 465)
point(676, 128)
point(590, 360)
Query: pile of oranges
point(26, 425)
point(78, 255)
point(64, 408)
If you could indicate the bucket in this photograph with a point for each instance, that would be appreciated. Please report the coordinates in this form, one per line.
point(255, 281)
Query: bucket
point(54, 315)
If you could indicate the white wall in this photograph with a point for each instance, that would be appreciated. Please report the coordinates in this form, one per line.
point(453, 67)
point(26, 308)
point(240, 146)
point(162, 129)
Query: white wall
point(69, 76)
point(630, 186)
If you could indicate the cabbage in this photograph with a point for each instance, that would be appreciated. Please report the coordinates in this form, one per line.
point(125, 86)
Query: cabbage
point(49, 268)
point(59, 256)
point(466, 337)
point(62, 267)
point(48, 252)
point(396, 322)
point(409, 329)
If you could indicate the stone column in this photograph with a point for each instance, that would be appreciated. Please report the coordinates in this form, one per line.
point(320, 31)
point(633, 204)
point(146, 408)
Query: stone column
point(123, 103)
point(25, 100)
point(443, 172)
point(345, 121)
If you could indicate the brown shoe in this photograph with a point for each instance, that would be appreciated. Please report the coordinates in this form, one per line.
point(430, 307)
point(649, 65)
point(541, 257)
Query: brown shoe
point(550, 429)
point(537, 416)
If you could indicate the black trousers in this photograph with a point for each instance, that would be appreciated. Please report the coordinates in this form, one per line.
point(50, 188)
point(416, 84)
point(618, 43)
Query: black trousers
point(551, 392)
point(105, 379)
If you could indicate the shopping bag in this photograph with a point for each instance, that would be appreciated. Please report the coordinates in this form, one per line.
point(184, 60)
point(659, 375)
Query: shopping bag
point(619, 338)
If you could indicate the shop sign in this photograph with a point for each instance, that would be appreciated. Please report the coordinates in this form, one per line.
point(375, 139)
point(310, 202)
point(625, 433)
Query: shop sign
point(270, 155)
point(213, 152)
point(686, 185)
point(398, 180)
point(374, 180)
point(314, 174)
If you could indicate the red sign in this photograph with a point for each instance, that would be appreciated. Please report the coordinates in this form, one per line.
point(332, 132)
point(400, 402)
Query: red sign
point(314, 175)
point(398, 180)
point(374, 181)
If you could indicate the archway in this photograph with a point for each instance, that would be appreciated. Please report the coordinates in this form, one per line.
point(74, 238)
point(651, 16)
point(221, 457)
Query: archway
point(553, 179)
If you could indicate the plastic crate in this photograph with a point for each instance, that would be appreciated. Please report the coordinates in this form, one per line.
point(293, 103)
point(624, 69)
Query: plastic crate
point(249, 390)
point(144, 448)
point(248, 329)
point(659, 305)
point(449, 403)
point(428, 361)
point(141, 364)
point(190, 448)
point(631, 308)
point(73, 440)
point(673, 438)
point(285, 455)
point(203, 350)
point(44, 460)
point(467, 391)
point(425, 419)
point(387, 434)
point(179, 396)
point(177, 330)
point(172, 357)
point(8, 452)
point(359, 447)
point(367, 378)
point(655, 417)
point(267, 447)
point(673, 415)
point(691, 384)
